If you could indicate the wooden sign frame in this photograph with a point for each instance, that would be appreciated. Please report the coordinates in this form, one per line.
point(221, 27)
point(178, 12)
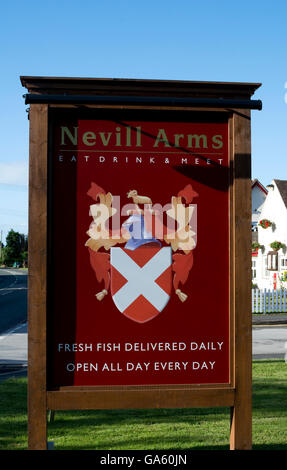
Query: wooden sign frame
point(233, 99)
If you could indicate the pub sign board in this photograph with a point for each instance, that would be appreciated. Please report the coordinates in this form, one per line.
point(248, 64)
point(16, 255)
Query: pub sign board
point(135, 299)
point(139, 280)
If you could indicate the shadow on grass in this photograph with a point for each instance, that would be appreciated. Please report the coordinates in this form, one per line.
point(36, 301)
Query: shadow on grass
point(270, 447)
point(13, 414)
point(271, 396)
point(146, 416)
point(13, 397)
point(135, 431)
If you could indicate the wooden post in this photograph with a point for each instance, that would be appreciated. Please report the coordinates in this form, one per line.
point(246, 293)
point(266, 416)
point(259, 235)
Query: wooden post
point(37, 423)
point(241, 412)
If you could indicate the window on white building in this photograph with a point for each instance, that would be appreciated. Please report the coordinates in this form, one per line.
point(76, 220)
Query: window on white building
point(254, 269)
point(272, 261)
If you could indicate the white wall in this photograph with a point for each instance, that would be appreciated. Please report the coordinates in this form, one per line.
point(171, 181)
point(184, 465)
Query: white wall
point(275, 210)
point(258, 198)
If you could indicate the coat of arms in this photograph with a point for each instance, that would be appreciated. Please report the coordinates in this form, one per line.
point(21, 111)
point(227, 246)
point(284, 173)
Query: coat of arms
point(142, 259)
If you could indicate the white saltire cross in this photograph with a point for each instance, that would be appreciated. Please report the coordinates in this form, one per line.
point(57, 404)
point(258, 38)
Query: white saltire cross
point(141, 281)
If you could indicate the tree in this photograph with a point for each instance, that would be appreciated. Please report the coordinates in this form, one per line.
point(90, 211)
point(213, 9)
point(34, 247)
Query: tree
point(24, 257)
point(1, 252)
point(16, 245)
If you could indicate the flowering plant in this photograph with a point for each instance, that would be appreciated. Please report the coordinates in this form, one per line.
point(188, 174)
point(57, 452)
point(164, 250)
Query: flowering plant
point(265, 223)
point(256, 246)
point(276, 245)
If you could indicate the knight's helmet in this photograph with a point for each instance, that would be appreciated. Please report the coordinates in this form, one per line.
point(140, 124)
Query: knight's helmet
point(139, 235)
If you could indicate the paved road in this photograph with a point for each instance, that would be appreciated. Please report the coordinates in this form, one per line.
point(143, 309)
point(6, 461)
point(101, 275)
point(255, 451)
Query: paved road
point(269, 342)
point(13, 298)
point(14, 352)
point(13, 322)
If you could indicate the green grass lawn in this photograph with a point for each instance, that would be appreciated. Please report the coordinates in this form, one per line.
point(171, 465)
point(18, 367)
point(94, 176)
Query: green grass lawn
point(195, 429)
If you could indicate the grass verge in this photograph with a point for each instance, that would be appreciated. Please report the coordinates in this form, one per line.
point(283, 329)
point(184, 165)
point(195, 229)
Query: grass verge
point(195, 429)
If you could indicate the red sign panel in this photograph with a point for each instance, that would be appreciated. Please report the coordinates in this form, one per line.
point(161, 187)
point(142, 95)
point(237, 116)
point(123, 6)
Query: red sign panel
point(138, 252)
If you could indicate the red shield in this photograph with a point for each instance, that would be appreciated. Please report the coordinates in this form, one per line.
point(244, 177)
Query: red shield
point(141, 281)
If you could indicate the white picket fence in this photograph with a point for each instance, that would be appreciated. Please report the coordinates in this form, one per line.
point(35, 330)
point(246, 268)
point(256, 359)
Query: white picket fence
point(269, 301)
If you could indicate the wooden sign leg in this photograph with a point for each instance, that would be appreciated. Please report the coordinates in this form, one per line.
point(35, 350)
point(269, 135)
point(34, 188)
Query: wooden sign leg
point(37, 410)
point(241, 412)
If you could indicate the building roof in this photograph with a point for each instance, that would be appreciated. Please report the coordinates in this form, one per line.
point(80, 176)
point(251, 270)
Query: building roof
point(282, 187)
point(255, 182)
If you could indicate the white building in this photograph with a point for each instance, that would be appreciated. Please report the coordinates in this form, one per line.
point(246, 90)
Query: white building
point(269, 265)
point(258, 195)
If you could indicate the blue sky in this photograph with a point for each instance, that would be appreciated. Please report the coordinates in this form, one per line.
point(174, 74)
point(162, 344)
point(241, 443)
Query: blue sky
point(183, 40)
